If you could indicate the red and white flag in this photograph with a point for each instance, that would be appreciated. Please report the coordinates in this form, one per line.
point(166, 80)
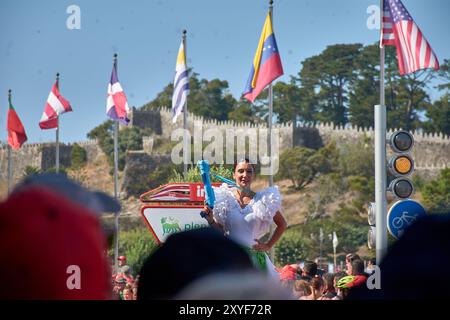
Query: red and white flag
point(56, 105)
point(399, 29)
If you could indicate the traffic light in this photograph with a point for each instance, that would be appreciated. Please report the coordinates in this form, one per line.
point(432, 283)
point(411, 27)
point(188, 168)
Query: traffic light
point(372, 229)
point(401, 165)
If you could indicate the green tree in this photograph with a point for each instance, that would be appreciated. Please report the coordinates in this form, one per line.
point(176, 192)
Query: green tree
point(439, 116)
point(329, 75)
point(365, 92)
point(208, 98)
point(406, 95)
point(444, 75)
point(436, 193)
point(357, 158)
point(137, 244)
point(78, 156)
point(302, 165)
point(286, 101)
point(130, 138)
point(243, 112)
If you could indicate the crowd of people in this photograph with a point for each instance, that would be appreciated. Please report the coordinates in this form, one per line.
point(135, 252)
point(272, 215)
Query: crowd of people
point(311, 283)
point(57, 249)
point(124, 284)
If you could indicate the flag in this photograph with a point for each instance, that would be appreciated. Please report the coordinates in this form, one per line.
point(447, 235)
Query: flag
point(335, 240)
point(266, 63)
point(399, 29)
point(116, 103)
point(180, 85)
point(16, 131)
point(56, 105)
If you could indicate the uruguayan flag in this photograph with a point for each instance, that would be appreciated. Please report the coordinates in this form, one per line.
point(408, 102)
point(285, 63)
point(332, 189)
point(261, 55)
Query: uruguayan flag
point(180, 85)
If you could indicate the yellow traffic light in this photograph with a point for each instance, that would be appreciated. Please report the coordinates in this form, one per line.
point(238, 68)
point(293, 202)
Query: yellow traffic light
point(401, 165)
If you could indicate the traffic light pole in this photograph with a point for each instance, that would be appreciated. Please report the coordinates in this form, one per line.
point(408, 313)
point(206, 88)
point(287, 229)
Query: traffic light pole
point(380, 182)
point(380, 162)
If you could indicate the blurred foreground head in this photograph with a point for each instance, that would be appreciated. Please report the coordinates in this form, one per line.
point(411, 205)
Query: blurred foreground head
point(236, 285)
point(51, 244)
point(415, 266)
point(188, 256)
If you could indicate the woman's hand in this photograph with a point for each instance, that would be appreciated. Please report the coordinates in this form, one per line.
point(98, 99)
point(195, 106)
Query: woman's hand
point(209, 216)
point(260, 246)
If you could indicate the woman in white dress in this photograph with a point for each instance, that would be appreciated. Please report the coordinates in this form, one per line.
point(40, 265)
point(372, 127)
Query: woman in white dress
point(245, 216)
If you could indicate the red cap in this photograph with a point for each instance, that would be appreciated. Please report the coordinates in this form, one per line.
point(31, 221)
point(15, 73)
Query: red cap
point(122, 258)
point(49, 241)
point(288, 272)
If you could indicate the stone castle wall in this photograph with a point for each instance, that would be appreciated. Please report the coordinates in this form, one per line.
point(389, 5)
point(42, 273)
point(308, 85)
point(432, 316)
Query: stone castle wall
point(42, 156)
point(431, 151)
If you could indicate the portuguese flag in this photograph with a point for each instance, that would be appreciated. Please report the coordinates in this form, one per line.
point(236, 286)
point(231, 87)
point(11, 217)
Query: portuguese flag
point(16, 131)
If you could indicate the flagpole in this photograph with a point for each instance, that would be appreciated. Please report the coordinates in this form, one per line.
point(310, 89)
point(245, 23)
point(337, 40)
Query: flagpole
point(272, 250)
point(9, 157)
point(185, 126)
point(334, 259)
point(380, 160)
point(57, 131)
point(116, 169)
point(270, 109)
point(335, 244)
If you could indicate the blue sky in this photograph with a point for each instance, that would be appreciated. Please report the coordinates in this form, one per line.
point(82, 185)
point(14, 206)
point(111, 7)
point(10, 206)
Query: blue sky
point(222, 36)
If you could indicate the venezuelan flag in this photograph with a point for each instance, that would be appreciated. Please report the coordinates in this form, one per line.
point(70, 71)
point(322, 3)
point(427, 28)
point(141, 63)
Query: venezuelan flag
point(266, 64)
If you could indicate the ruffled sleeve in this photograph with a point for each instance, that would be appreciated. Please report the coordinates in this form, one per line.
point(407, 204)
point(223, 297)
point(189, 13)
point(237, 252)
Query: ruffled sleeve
point(265, 207)
point(224, 203)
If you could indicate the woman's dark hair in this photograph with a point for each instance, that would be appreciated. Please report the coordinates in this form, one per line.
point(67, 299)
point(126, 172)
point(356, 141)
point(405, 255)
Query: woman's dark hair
point(246, 160)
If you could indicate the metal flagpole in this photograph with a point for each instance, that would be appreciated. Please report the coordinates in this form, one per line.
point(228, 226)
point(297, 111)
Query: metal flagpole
point(9, 169)
point(270, 110)
point(334, 259)
point(9, 157)
point(116, 170)
point(185, 125)
point(380, 161)
point(272, 250)
point(57, 131)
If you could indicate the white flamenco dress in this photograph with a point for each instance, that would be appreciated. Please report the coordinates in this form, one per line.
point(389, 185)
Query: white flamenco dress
point(244, 225)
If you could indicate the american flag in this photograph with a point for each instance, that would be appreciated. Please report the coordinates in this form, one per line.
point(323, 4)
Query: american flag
point(399, 29)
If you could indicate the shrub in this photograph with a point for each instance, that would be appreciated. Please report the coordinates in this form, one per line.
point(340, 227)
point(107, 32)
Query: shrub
point(78, 156)
point(137, 244)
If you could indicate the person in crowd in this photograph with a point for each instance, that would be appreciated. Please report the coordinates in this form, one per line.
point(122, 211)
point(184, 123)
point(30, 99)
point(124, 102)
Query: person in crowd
point(127, 293)
point(124, 268)
point(235, 285)
point(51, 234)
point(289, 272)
point(348, 261)
point(119, 285)
point(343, 286)
point(370, 268)
point(309, 271)
point(185, 257)
point(338, 276)
point(245, 216)
point(302, 288)
point(317, 285)
point(329, 291)
point(357, 270)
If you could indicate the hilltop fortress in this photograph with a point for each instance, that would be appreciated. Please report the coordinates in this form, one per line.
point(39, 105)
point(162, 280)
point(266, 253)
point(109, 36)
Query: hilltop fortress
point(431, 152)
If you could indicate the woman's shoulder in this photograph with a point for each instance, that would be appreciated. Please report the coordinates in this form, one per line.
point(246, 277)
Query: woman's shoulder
point(273, 191)
point(224, 189)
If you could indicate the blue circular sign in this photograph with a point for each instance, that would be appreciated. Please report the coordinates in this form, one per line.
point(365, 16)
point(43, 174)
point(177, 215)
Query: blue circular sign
point(402, 214)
